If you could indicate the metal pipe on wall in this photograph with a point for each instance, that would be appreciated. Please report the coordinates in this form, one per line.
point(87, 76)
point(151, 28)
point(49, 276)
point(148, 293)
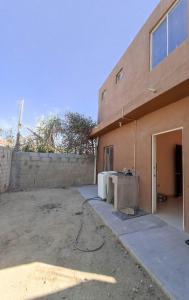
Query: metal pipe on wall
point(135, 142)
point(95, 160)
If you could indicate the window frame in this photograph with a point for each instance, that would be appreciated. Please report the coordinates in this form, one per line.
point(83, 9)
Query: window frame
point(117, 78)
point(103, 94)
point(165, 17)
point(105, 157)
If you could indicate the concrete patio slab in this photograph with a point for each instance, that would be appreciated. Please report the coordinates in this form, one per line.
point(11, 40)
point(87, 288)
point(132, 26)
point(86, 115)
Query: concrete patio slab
point(158, 247)
point(164, 254)
point(88, 191)
point(118, 226)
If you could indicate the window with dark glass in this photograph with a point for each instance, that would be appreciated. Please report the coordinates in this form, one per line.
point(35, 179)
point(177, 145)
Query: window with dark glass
point(170, 33)
point(108, 158)
point(119, 76)
point(103, 96)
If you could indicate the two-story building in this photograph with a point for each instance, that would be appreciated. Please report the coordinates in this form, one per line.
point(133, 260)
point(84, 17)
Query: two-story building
point(143, 119)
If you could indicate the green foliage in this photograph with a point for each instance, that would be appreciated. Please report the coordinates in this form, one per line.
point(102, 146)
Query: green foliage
point(45, 149)
point(68, 135)
point(49, 132)
point(76, 137)
point(28, 144)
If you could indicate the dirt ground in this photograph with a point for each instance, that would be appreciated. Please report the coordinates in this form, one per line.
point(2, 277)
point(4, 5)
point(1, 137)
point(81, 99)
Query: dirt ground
point(38, 258)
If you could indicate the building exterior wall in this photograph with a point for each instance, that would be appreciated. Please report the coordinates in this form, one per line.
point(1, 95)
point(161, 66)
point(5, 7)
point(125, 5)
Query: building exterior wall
point(140, 133)
point(122, 140)
point(43, 170)
point(5, 168)
point(145, 102)
point(132, 91)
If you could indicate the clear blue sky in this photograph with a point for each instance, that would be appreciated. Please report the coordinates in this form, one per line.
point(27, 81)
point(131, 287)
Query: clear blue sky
point(57, 53)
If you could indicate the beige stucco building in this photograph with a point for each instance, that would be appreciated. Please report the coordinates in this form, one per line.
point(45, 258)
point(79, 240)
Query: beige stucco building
point(143, 118)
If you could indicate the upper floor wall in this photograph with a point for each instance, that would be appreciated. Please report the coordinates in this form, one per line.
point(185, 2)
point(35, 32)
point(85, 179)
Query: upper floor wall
point(135, 81)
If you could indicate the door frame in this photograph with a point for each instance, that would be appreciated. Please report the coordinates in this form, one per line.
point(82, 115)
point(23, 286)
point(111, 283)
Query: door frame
point(154, 169)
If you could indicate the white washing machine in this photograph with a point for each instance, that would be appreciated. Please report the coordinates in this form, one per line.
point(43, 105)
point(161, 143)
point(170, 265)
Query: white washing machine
point(102, 183)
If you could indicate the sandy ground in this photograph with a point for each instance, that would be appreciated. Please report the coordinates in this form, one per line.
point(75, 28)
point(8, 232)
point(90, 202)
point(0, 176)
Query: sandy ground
point(38, 259)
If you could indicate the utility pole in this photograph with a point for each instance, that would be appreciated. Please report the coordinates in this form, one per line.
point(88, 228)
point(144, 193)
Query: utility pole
point(20, 116)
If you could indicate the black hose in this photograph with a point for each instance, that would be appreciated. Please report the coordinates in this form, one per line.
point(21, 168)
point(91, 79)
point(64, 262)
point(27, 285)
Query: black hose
point(81, 228)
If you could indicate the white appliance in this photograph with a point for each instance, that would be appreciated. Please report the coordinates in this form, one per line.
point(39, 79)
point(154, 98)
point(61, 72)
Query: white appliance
point(102, 183)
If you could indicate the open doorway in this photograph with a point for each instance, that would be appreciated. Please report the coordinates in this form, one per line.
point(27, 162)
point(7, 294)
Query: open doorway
point(167, 177)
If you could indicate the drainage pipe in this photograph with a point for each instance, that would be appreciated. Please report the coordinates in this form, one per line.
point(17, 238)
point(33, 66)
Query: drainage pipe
point(95, 160)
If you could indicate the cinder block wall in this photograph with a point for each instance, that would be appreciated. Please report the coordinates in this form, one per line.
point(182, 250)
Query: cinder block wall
point(46, 170)
point(5, 168)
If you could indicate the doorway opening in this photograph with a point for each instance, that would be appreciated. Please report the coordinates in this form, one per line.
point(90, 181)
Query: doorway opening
point(167, 177)
point(108, 158)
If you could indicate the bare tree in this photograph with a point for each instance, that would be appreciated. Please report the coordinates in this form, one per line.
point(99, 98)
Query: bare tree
point(8, 136)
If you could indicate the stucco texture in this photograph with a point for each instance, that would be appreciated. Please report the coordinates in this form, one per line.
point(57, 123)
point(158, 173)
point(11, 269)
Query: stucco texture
point(140, 133)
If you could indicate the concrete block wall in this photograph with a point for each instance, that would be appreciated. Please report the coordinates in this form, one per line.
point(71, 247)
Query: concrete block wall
point(5, 168)
point(49, 170)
